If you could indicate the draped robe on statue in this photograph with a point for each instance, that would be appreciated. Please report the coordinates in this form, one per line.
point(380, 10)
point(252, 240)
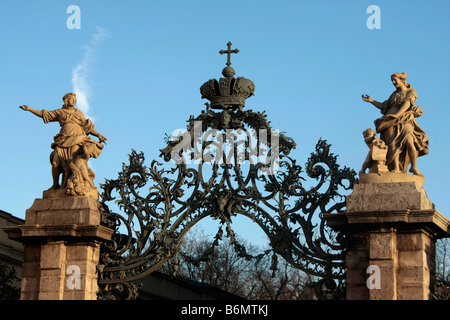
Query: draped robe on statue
point(395, 132)
point(75, 129)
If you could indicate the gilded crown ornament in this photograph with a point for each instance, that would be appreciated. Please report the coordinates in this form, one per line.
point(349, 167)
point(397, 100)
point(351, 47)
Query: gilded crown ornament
point(228, 92)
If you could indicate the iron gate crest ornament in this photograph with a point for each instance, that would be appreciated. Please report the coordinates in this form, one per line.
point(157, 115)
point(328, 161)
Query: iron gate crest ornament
point(245, 170)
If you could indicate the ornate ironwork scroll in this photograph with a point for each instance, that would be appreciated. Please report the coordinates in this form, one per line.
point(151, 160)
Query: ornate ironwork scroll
point(245, 170)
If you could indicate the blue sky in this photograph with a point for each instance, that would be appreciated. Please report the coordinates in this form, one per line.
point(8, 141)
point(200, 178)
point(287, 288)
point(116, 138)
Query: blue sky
point(142, 64)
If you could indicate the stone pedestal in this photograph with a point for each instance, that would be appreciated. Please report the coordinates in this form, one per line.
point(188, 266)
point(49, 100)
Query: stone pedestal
point(391, 229)
point(62, 238)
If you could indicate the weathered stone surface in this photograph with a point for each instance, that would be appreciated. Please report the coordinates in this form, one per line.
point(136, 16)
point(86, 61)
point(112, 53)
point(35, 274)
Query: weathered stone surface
point(407, 291)
point(412, 242)
point(53, 255)
point(390, 177)
point(382, 246)
point(414, 275)
point(388, 197)
point(67, 210)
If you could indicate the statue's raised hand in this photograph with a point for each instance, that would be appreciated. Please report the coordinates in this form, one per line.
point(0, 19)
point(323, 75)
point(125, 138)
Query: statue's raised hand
point(102, 138)
point(25, 107)
point(367, 98)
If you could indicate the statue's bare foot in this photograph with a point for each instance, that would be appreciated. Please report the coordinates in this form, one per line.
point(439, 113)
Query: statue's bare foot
point(415, 171)
point(54, 187)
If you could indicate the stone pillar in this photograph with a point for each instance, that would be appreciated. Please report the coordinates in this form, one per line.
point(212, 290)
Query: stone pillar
point(62, 238)
point(391, 229)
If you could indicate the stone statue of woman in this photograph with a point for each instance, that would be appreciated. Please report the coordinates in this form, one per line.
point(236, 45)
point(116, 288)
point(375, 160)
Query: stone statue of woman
point(398, 128)
point(72, 147)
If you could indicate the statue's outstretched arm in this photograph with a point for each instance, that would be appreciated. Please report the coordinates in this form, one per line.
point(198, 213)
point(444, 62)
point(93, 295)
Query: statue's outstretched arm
point(34, 111)
point(377, 104)
point(98, 135)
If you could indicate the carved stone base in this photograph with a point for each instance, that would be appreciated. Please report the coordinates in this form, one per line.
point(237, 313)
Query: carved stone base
point(379, 168)
point(62, 193)
point(391, 230)
point(388, 197)
point(388, 177)
point(62, 238)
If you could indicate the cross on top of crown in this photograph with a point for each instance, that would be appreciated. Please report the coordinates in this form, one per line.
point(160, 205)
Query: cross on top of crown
point(229, 52)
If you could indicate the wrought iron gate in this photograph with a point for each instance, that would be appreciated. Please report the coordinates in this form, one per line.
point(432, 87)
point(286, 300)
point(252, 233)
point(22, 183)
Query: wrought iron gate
point(246, 170)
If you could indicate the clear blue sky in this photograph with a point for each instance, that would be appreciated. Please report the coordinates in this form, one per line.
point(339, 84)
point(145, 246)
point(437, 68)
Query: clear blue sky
point(310, 62)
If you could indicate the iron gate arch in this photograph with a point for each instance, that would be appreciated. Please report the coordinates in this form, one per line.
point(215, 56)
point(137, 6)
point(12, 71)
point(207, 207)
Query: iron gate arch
point(271, 193)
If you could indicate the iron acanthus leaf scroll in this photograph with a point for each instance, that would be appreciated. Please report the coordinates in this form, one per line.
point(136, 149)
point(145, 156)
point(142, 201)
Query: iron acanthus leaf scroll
point(160, 205)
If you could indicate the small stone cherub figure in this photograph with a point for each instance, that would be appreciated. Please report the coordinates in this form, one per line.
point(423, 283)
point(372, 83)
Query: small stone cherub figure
point(72, 143)
point(376, 158)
